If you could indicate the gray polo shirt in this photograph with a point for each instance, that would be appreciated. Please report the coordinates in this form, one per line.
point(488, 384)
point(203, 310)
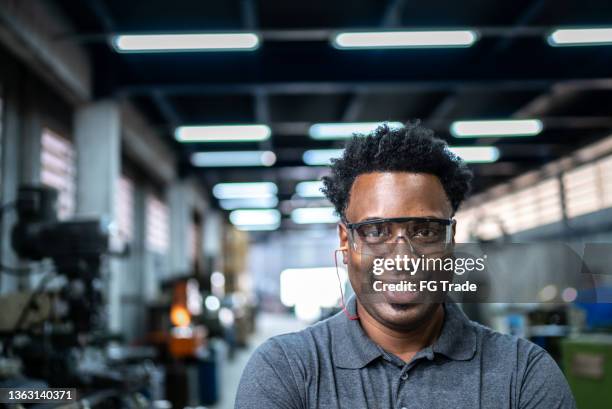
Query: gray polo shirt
point(333, 364)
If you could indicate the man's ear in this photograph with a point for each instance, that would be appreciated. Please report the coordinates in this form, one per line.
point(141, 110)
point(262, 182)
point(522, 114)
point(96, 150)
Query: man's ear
point(344, 244)
point(454, 230)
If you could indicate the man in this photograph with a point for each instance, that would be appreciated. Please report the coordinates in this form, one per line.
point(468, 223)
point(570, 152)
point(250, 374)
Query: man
point(399, 350)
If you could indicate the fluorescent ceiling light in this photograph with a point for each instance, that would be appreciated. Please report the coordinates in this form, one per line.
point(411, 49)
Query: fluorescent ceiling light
point(222, 133)
point(249, 203)
point(519, 127)
point(346, 130)
point(259, 227)
point(476, 154)
point(310, 189)
point(405, 39)
point(185, 42)
point(580, 36)
point(310, 215)
point(321, 156)
point(245, 190)
point(254, 218)
point(233, 158)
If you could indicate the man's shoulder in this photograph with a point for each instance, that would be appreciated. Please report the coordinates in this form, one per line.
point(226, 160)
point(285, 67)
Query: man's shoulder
point(282, 365)
point(500, 346)
point(317, 333)
point(289, 359)
point(536, 375)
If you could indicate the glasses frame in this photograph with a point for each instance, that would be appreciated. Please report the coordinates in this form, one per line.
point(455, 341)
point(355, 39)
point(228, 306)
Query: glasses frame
point(353, 226)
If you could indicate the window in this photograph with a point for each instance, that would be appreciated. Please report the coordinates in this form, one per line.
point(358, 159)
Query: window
point(125, 208)
point(587, 189)
point(192, 243)
point(158, 230)
point(58, 170)
point(465, 220)
point(605, 169)
point(581, 189)
point(513, 212)
point(535, 206)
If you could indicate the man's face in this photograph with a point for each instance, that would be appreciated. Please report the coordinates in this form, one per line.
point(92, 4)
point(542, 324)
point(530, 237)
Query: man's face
point(391, 195)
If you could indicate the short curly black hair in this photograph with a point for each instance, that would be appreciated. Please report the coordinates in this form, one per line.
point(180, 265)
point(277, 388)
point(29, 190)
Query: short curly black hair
point(411, 148)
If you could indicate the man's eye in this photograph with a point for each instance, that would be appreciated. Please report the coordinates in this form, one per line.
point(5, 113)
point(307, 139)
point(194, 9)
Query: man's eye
point(425, 233)
point(428, 232)
point(373, 231)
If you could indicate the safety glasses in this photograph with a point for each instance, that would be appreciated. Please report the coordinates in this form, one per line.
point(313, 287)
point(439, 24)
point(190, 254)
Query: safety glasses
point(423, 235)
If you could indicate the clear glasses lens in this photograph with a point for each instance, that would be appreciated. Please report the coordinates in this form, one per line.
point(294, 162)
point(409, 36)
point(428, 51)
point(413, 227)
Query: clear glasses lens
point(425, 236)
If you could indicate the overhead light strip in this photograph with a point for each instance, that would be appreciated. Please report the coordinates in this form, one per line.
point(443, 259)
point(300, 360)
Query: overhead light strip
point(316, 157)
point(249, 41)
point(259, 227)
point(267, 217)
point(133, 43)
point(309, 189)
point(476, 154)
point(342, 130)
point(580, 37)
point(501, 128)
point(314, 215)
point(405, 39)
point(245, 190)
point(233, 159)
point(249, 203)
point(222, 133)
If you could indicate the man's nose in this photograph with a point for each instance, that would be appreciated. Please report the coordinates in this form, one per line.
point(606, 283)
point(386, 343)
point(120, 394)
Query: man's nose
point(402, 246)
point(401, 236)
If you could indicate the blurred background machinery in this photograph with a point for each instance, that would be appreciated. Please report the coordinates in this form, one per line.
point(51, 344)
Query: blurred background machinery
point(185, 142)
point(55, 334)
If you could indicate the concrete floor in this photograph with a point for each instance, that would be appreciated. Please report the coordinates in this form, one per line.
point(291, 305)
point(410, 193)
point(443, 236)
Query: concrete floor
point(267, 326)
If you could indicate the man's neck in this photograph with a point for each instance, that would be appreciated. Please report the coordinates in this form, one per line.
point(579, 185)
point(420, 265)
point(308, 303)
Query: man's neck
point(404, 344)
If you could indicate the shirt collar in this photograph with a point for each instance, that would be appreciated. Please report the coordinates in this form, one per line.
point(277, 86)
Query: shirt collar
point(353, 349)
point(457, 339)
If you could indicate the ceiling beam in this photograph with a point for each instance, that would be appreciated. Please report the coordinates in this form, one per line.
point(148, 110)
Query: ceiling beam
point(27, 29)
point(325, 34)
point(261, 102)
point(443, 124)
point(448, 103)
point(315, 87)
point(171, 117)
point(102, 14)
point(249, 14)
point(391, 18)
point(531, 12)
point(444, 107)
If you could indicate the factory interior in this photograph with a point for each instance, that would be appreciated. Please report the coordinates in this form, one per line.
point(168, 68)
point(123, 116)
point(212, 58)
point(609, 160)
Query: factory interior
point(161, 164)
